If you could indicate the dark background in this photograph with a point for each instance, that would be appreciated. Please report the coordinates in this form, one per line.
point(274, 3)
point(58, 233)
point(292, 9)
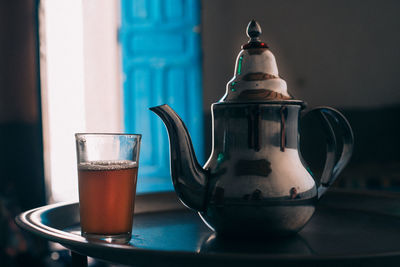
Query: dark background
point(21, 154)
point(338, 53)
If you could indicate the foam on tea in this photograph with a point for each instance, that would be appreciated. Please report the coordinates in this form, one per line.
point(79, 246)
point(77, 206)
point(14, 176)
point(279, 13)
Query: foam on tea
point(107, 165)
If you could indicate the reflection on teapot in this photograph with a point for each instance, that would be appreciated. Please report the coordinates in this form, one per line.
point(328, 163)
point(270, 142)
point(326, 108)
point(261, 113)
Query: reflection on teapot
point(255, 181)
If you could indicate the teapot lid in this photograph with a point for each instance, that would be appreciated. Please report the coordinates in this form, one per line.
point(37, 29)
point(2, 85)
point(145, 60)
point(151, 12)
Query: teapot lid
point(256, 77)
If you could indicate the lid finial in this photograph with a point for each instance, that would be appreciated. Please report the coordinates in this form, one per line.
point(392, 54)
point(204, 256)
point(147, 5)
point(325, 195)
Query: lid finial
point(253, 32)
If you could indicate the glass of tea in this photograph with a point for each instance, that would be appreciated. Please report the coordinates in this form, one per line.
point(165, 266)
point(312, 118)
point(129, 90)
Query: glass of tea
point(107, 174)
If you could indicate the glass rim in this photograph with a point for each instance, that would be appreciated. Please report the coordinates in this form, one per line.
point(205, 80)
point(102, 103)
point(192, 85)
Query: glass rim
point(107, 134)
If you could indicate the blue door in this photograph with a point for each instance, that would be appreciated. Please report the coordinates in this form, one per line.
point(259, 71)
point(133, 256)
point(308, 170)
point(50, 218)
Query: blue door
point(161, 57)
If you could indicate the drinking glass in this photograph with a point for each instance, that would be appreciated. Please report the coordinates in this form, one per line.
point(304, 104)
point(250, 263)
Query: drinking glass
point(107, 174)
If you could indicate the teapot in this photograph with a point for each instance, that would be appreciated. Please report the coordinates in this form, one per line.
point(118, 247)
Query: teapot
point(255, 181)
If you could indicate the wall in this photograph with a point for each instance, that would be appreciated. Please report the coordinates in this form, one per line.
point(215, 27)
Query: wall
point(21, 158)
point(21, 161)
point(338, 53)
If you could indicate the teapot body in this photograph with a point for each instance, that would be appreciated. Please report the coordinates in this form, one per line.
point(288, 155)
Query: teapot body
point(255, 181)
point(258, 182)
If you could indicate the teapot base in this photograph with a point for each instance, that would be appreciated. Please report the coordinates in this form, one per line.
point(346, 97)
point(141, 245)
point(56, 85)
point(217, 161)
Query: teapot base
point(240, 221)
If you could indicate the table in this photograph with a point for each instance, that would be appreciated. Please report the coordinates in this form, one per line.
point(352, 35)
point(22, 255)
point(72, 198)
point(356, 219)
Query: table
point(348, 228)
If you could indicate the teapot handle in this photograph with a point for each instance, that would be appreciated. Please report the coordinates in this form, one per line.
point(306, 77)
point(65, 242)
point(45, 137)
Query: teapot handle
point(332, 166)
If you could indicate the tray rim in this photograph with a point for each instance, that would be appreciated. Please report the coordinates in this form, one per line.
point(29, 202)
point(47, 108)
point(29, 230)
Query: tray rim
point(76, 242)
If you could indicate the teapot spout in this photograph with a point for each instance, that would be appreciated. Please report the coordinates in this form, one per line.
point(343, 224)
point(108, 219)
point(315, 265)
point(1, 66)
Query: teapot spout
point(188, 177)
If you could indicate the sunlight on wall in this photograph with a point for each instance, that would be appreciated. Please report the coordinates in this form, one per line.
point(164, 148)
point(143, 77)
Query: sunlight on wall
point(63, 99)
point(68, 74)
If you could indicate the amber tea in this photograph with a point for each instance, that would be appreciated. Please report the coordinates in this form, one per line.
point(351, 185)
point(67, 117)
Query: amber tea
point(107, 192)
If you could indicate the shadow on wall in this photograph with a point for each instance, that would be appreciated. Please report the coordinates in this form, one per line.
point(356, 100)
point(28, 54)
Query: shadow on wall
point(21, 157)
point(337, 53)
point(375, 163)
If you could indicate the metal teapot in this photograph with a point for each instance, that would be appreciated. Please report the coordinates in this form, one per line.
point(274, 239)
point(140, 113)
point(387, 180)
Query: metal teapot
point(255, 181)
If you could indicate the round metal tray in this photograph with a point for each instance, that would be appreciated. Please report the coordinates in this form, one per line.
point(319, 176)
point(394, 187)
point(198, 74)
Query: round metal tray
point(348, 228)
